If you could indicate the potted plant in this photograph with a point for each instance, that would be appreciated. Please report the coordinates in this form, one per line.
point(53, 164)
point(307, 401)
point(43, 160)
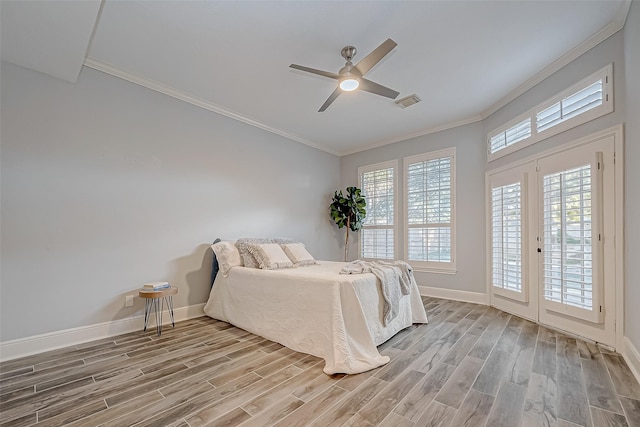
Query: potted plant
point(348, 210)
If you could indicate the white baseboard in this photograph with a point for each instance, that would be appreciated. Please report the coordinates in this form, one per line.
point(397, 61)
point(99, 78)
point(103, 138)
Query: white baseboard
point(452, 294)
point(631, 355)
point(54, 340)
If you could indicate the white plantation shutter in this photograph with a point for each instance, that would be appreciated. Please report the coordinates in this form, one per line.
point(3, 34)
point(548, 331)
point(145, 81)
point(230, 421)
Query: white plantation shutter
point(377, 243)
point(377, 237)
point(507, 227)
point(430, 180)
point(587, 100)
point(571, 262)
point(573, 105)
point(510, 136)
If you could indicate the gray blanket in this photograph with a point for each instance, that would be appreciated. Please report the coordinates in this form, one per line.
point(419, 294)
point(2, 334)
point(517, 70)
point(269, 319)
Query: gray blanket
point(396, 278)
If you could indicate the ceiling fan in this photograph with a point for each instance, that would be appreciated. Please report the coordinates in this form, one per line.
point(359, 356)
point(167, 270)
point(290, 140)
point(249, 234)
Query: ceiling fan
point(350, 77)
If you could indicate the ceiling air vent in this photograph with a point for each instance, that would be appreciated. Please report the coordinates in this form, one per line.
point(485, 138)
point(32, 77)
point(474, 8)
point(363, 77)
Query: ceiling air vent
point(408, 101)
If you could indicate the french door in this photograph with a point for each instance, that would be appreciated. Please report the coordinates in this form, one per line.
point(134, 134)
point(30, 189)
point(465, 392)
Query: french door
point(552, 228)
point(513, 258)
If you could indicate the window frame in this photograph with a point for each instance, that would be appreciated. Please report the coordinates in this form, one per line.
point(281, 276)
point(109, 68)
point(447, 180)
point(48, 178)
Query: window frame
point(431, 266)
point(393, 164)
point(605, 74)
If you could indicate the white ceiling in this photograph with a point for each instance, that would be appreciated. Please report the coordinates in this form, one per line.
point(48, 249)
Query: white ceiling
point(463, 58)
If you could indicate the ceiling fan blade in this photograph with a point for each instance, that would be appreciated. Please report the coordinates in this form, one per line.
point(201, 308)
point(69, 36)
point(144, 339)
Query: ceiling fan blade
point(369, 86)
point(314, 71)
point(375, 56)
point(336, 93)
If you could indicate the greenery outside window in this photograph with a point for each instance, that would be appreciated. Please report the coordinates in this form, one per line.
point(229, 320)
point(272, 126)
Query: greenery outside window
point(430, 211)
point(378, 234)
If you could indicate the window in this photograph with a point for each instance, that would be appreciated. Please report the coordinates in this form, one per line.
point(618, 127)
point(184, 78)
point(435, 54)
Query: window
point(586, 96)
point(430, 196)
point(571, 236)
point(507, 227)
point(571, 106)
point(582, 102)
point(378, 184)
point(510, 136)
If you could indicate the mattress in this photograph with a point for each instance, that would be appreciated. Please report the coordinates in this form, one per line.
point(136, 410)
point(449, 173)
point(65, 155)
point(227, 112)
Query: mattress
point(314, 310)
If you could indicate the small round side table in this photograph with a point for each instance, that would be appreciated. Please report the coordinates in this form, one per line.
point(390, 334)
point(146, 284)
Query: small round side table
point(156, 300)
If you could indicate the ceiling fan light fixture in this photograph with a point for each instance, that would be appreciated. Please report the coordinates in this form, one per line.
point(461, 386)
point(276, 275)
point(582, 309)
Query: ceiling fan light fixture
point(349, 84)
point(351, 77)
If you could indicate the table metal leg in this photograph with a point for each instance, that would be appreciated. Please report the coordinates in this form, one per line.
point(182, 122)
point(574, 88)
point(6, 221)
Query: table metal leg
point(157, 302)
point(147, 311)
point(170, 308)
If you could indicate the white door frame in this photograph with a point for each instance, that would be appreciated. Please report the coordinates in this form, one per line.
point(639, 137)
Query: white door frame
point(618, 134)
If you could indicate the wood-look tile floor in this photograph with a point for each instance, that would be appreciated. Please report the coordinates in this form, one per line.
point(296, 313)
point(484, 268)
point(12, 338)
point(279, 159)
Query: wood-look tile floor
point(471, 365)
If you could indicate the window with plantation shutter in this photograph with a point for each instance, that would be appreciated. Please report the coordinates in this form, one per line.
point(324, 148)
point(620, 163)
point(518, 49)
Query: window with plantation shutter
point(511, 135)
point(377, 236)
point(571, 238)
point(582, 102)
point(430, 196)
point(507, 230)
point(573, 105)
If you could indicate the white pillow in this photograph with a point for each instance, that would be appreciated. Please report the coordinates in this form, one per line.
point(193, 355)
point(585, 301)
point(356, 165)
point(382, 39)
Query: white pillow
point(227, 255)
point(270, 256)
point(298, 254)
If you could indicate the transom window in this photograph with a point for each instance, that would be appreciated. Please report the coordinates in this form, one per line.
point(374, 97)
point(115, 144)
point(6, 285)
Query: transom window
point(573, 105)
point(582, 102)
point(510, 136)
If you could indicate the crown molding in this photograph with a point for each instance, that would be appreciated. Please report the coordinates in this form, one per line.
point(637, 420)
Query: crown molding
point(616, 25)
point(207, 105)
point(406, 137)
point(613, 27)
point(194, 100)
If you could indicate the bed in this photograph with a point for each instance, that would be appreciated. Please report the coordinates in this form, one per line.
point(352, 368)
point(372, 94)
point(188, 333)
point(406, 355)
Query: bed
point(315, 310)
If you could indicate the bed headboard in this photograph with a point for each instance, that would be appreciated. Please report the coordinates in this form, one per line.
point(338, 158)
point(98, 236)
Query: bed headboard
point(214, 265)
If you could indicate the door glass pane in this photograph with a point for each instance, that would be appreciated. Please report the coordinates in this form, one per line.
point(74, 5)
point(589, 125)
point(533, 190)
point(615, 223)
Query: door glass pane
point(506, 220)
point(567, 223)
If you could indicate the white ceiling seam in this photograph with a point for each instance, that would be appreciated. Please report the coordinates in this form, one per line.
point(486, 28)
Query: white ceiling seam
point(32, 37)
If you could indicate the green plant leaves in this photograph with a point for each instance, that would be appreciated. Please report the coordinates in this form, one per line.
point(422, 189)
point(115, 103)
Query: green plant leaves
point(348, 209)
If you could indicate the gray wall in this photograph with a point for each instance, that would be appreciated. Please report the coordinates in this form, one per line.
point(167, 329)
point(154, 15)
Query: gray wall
point(632, 174)
point(470, 213)
point(107, 185)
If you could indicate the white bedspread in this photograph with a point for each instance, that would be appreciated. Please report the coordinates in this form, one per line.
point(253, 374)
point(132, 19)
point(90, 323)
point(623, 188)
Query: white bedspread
point(314, 310)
